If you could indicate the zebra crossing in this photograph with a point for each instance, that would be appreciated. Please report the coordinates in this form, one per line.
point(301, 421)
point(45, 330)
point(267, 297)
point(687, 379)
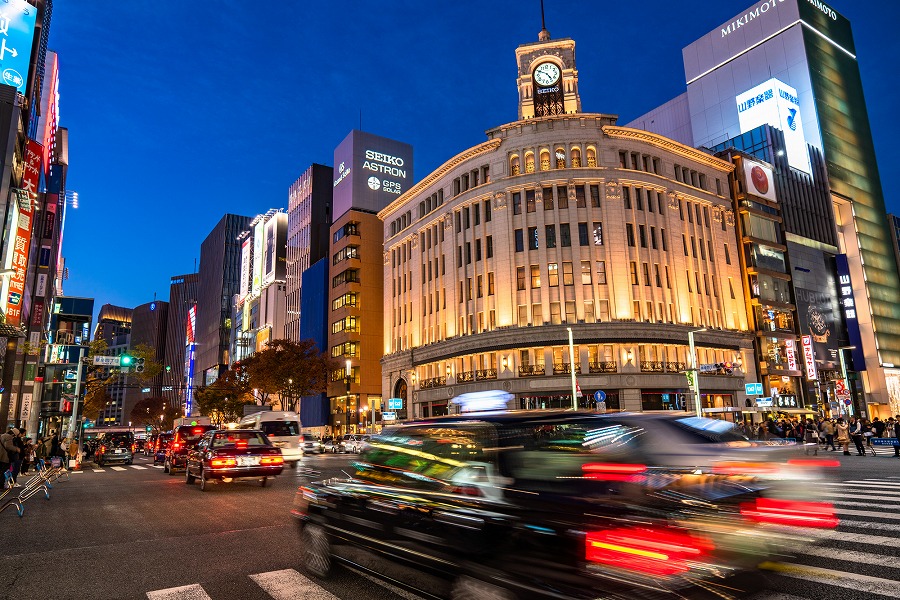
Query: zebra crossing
point(95, 469)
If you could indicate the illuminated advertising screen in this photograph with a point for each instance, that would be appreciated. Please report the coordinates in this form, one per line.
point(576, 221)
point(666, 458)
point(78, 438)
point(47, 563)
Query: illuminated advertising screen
point(777, 104)
point(759, 179)
point(370, 172)
point(14, 286)
point(258, 238)
point(245, 267)
point(276, 249)
point(17, 21)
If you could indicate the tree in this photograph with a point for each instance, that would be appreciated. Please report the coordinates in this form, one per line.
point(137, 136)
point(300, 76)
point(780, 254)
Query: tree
point(289, 370)
point(152, 367)
point(155, 411)
point(224, 400)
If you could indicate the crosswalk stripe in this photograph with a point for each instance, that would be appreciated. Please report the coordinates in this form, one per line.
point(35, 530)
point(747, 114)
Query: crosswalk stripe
point(866, 484)
point(871, 525)
point(184, 592)
point(98, 470)
point(118, 468)
point(867, 513)
point(859, 489)
point(866, 558)
point(870, 504)
point(858, 538)
point(157, 466)
point(137, 467)
point(830, 577)
point(775, 596)
point(878, 482)
point(288, 584)
point(393, 588)
point(78, 471)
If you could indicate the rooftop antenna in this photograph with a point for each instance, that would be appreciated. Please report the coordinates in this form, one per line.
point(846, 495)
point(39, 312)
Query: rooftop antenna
point(544, 35)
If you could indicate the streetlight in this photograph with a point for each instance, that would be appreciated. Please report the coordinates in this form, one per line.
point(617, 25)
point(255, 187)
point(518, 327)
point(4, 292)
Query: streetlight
point(572, 369)
point(695, 371)
point(363, 410)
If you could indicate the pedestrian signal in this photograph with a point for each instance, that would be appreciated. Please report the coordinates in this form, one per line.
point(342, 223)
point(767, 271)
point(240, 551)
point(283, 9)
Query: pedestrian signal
point(139, 365)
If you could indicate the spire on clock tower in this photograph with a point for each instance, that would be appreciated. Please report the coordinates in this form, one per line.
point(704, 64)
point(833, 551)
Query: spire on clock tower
point(544, 35)
point(548, 80)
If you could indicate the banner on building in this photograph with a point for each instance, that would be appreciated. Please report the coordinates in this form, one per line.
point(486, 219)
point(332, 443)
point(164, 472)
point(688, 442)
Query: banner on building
point(14, 295)
point(809, 358)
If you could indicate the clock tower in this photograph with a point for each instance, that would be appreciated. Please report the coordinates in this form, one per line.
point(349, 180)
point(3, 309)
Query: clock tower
point(548, 80)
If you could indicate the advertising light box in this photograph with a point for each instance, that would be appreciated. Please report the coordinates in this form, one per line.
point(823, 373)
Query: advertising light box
point(777, 104)
point(759, 180)
point(370, 172)
point(17, 21)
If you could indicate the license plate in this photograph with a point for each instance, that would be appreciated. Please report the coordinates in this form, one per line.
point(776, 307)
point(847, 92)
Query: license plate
point(119, 451)
point(280, 444)
point(247, 461)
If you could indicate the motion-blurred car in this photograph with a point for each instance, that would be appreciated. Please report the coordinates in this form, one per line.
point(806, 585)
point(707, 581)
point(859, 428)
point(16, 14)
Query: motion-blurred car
point(552, 504)
point(233, 454)
point(184, 437)
point(311, 444)
point(160, 444)
point(114, 448)
point(331, 444)
point(351, 443)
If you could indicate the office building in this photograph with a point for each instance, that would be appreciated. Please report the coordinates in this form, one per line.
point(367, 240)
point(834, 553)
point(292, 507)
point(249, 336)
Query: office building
point(114, 328)
point(183, 292)
point(309, 219)
point(315, 409)
point(148, 332)
point(563, 221)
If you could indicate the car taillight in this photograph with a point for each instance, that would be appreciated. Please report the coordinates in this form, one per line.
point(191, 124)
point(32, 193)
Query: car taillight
point(791, 512)
point(222, 462)
point(240, 444)
point(744, 468)
point(814, 462)
point(614, 471)
point(659, 552)
point(176, 446)
point(466, 490)
point(271, 460)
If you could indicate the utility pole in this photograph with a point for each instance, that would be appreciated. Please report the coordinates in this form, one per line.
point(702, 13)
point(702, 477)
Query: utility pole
point(74, 420)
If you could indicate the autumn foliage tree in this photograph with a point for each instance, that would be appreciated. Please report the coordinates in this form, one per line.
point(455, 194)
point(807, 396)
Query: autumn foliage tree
point(224, 400)
point(155, 411)
point(286, 370)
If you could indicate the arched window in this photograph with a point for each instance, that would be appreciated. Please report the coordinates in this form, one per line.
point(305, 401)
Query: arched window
point(576, 158)
point(514, 166)
point(591, 157)
point(545, 160)
point(529, 162)
point(560, 157)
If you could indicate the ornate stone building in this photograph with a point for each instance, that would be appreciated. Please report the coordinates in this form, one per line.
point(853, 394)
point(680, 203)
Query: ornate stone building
point(562, 220)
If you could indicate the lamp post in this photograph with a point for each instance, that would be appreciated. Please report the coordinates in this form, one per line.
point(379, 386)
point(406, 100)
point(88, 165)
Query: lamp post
point(695, 371)
point(362, 411)
point(572, 369)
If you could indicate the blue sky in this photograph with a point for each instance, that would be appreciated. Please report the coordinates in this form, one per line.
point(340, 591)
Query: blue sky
point(181, 111)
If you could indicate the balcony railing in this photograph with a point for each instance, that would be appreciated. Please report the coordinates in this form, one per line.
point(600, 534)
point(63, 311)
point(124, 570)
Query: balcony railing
point(652, 366)
point(531, 370)
point(432, 383)
point(603, 366)
point(675, 367)
point(486, 374)
point(464, 376)
point(561, 368)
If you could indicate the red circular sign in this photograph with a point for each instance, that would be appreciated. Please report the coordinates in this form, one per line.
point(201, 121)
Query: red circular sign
point(760, 180)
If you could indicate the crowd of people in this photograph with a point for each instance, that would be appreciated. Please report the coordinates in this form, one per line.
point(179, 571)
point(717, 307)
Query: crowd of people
point(825, 432)
point(20, 454)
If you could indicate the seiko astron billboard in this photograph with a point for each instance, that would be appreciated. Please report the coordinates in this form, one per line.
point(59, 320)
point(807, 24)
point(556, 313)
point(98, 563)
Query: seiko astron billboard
point(370, 172)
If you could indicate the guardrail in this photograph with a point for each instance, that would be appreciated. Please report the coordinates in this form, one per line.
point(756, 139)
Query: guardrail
point(42, 481)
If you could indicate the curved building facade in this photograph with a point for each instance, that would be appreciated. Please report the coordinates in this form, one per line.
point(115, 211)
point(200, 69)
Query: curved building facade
point(563, 220)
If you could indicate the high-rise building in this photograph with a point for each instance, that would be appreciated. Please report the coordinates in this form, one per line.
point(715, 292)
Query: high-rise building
point(563, 223)
point(114, 328)
point(148, 329)
point(792, 64)
point(309, 219)
point(183, 292)
point(220, 267)
point(371, 172)
point(315, 409)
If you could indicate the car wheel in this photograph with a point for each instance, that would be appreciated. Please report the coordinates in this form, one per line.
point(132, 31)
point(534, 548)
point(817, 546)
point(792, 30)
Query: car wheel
point(293, 464)
point(263, 481)
point(203, 483)
point(128, 462)
point(468, 588)
point(316, 555)
point(188, 478)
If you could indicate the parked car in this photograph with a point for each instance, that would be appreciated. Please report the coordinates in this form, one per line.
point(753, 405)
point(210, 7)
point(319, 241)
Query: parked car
point(553, 504)
point(160, 445)
point(114, 448)
point(351, 443)
point(311, 444)
point(184, 437)
point(331, 444)
point(232, 454)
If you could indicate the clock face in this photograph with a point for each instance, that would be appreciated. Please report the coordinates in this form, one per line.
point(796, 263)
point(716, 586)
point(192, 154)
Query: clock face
point(546, 74)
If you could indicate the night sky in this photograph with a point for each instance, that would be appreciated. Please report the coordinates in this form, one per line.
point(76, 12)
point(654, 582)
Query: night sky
point(179, 112)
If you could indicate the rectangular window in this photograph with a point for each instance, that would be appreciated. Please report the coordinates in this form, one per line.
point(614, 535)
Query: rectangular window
point(653, 237)
point(639, 198)
point(568, 274)
point(731, 288)
point(468, 253)
point(487, 211)
point(565, 236)
point(477, 250)
point(529, 201)
point(684, 243)
point(659, 201)
point(517, 203)
point(537, 314)
point(636, 307)
point(645, 268)
point(589, 311)
point(727, 255)
point(583, 236)
point(348, 276)
point(586, 272)
point(570, 312)
point(348, 299)
point(629, 234)
point(668, 281)
point(458, 256)
point(662, 238)
point(689, 281)
point(580, 200)
point(690, 213)
point(535, 276)
point(520, 278)
point(476, 212)
point(642, 233)
point(681, 209)
point(520, 240)
point(626, 196)
point(693, 247)
point(656, 276)
point(603, 313)
point(550, 236)
point(478, 287)
point(490, 246)
point(555, 317)
point(458, 222)
point(466, 218)
point(598, 234)
point(601, 271)
point(709, 245)
point(553, 274)
point(699, 217)
point(697, 279)
point(468, 288)
point(634, 273)
point(490, 284)
point(702, 249)
point(532, 238)
point(562, 196)
point(523, 315)
point(547, 198)
point(595, 196)
point(623, 159)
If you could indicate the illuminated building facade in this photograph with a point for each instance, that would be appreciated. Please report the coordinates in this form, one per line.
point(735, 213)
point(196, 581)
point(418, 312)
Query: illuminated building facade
point(564, 220)
point(183, 290)
point(792, 64)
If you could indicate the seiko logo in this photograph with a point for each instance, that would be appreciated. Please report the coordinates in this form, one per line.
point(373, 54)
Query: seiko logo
point(750, 15)
point(384, 158)
point(548, 90)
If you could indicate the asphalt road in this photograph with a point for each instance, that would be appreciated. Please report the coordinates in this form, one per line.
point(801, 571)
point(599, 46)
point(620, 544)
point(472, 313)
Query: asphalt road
point(132, 532)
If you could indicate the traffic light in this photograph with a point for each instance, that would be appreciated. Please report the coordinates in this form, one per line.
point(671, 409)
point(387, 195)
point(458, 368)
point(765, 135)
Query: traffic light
point(138, 364)
point(126, 360)
point(65, 406)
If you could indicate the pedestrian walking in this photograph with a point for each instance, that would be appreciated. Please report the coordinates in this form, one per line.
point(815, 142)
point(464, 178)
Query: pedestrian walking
point(843, 435)
point(5, 460)
point(7, 440)
point(27, 456)
point(828, 428)
point(811, 437)
point(40, 452)
point(856, 434)
point(896, 431)
point(878, 427)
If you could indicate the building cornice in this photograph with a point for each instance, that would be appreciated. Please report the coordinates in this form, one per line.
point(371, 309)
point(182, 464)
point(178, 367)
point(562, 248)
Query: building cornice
point(664, 143)
point(483, 148)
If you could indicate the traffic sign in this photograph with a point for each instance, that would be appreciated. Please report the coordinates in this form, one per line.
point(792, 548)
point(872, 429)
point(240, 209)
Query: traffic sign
point(395, 403)
point(106, 361)
point(753, 389)
point(388, 416)
point(848, 401)
point(600, 396)
point(578, 390)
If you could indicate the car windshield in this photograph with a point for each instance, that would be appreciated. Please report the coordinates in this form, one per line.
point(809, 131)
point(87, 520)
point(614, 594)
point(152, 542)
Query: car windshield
point(234, 439)
point(280, 428)
point(118, 439)
point(711, 430)
point(310, 438)
point(192, 435)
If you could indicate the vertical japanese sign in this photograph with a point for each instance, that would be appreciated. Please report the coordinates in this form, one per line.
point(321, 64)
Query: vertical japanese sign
point(791, 357)
point(809, 357)
point(17, 21)
point(22, 227)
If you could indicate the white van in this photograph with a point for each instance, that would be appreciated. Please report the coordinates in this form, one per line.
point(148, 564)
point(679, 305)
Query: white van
point(282, 427)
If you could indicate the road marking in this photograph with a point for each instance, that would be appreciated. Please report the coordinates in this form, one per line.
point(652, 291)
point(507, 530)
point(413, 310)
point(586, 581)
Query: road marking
point(390, 587)
point(288, 584)
point(137, 467)
point(867, 513)
point(99, 470)
point(870, 504)
point(157, 466)
point(866, 558)
point(775, 596)
point(79, 471)
point(875, 482)
point(858, 538)
point(870, 525)
point(185, 592)
point(118, 468)
point(859, 489)
point(888, 487)
point(858, 583)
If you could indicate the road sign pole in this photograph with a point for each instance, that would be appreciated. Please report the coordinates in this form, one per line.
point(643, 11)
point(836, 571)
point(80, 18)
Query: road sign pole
point(74, 420)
